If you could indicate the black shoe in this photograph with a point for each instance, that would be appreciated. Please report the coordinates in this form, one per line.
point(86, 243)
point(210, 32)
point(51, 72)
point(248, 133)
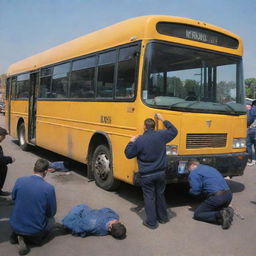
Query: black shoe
point(163, 221)
point(226, 219)
point(58, 225)
point(60, 229)
point(4, 193)
point(149, 226)
point(23, 248)
point(13, 238)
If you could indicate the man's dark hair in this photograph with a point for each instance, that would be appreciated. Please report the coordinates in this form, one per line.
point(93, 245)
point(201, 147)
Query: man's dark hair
point(118, 230)
point(41, 165)
point(150, 124)
point(192, 161)
point(253, 103)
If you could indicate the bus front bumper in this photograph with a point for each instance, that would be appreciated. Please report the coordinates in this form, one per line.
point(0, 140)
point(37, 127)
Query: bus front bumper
point(227, 164)
point(232, 164)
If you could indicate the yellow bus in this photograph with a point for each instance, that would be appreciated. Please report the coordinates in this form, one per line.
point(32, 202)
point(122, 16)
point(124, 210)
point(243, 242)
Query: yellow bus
point(84, 99)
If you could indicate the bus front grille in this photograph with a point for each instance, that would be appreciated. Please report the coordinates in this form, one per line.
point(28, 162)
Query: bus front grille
point(206, 140)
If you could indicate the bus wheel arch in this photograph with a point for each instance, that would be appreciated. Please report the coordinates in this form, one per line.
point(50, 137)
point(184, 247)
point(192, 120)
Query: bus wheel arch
point(21, 132)
point(100, 162)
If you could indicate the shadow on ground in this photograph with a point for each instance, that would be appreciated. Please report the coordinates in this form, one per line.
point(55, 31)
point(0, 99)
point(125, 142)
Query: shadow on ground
point(6, 205)
point(177, 195)
point(78, 167)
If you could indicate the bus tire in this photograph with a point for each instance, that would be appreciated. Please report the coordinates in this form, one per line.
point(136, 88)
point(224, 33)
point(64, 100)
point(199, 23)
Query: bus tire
point(102, 169)
point(22, 137)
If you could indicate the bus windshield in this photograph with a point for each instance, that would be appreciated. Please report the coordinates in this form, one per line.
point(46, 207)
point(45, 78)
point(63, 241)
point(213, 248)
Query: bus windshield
point(188, 79)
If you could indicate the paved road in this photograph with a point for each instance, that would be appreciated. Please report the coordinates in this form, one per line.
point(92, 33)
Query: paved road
point(182, 236)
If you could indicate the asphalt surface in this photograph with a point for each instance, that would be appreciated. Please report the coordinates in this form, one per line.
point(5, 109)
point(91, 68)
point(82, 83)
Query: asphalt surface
point(182, 236)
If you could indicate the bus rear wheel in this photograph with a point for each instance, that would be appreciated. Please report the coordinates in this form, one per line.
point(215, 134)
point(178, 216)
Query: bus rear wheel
point(102, 168)
point(22, 137)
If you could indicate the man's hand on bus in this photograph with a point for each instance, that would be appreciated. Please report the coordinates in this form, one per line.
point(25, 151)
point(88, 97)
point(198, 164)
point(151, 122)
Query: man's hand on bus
point(159, 117)
point(134, 138)
point(13, 159)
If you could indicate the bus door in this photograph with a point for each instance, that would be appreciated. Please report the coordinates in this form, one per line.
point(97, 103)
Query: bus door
point(34, 81)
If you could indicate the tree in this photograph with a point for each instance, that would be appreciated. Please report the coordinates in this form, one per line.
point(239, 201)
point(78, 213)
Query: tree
point(250, 86)
point(191, 86)
point(175, 86)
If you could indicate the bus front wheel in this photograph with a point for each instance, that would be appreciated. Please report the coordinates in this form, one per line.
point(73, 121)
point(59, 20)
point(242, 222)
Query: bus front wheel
point(22, 137)
point(102, 168)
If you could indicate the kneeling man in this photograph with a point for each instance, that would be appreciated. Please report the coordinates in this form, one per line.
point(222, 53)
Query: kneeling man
point(35, 206)
point(207, 181)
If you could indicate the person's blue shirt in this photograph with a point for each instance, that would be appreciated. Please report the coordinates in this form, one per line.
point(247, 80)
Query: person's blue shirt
point(206, 180)
point(35, 203)
point(251, 115)
point(84, 221)
point(150, 148)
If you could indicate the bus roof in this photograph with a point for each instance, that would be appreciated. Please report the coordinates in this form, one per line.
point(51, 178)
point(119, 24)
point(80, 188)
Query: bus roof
point(134, 29)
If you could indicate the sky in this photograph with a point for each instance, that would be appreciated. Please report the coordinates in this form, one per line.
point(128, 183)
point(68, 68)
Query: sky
point(28, 27)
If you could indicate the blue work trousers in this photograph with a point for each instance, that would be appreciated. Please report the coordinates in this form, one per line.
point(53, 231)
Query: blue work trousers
point(251, 142)
point(38, 239)
point(153, 187)
point(209, 210)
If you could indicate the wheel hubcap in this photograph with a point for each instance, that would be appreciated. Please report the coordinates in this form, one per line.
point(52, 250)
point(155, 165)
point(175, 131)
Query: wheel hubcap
point(102, 166)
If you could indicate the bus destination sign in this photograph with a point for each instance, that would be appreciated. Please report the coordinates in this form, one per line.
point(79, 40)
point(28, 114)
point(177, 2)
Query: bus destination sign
point(202, 37)
point(196, 34)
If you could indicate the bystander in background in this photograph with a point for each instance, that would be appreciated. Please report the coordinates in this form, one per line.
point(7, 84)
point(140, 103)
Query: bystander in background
point(4, 161)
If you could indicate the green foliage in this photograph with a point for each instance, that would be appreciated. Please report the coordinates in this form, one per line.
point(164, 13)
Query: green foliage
point(250, 87)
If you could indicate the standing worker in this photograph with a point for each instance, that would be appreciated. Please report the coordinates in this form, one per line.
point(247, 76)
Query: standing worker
point(251, 135)
point(206, 181)
point(150, 150)
point(4, 160)
point(35, 206)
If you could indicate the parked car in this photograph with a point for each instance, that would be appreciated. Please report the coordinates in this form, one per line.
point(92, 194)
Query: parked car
point(2, 108)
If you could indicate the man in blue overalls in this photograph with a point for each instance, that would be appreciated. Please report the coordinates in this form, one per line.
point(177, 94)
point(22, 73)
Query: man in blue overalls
point(206, 181)
point(150, 150)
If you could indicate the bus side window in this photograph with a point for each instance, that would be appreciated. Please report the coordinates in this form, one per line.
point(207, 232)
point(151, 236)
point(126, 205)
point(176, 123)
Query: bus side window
point(82, 78)
point(22, 86)
point(106, 70)
point(45, 83)
point(60, 80)
point(8, 87)
point(13, 87)
point(126, 72)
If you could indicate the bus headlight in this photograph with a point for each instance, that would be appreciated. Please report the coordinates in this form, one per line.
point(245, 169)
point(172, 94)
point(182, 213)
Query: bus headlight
point(239, 143)
point(171, 150)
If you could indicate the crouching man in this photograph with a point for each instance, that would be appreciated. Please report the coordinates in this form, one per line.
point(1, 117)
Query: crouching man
point(207, 181)
point(84, 221)
point(35, 206)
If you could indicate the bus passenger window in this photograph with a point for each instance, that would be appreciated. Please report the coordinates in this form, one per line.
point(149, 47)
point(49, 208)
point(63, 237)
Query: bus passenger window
point(22, 86)
point(13, 87)
point(60, 80)
point(82, 78)
point(126, 72)
point(125, 80)
point(106, 69)
point(45, 83)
